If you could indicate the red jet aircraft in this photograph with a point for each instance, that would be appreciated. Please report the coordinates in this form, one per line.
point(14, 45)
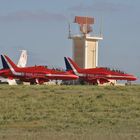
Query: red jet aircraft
point(97, 75)
point(34, 74)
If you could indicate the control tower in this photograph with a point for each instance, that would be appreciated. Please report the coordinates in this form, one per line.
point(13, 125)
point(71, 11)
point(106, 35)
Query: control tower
point(85, 46)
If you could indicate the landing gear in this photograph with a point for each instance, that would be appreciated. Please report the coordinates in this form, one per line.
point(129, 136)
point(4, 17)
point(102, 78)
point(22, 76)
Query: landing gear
point(39, 81)
point(128, 83)
point(98, 82)
point(112, 84)
point(33, 83)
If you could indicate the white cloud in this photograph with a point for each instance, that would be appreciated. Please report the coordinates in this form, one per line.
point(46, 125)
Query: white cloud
point(31, 16)
point(102, 7)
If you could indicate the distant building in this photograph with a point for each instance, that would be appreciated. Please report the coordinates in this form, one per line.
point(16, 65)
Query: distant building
point(85, 46)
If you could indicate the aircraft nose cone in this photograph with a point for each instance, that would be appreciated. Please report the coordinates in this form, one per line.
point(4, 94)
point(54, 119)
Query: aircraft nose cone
point(133, 78)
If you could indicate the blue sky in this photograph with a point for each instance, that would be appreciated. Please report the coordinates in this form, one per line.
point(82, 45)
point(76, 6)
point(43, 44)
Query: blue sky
point(41, 27)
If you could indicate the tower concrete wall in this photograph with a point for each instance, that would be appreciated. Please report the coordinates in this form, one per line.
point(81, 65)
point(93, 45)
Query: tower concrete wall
point(85, 51)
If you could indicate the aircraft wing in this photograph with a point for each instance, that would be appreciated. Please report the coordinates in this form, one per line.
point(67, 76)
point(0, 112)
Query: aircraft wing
point(3, 72)
point(100, 80)
point(35, 80)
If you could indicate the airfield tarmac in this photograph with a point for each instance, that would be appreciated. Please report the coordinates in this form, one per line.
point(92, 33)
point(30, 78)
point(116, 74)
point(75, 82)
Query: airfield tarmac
point(69, 112)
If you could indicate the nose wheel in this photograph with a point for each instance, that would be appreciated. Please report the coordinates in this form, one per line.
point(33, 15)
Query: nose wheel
point(128, 83)
point(38, 81)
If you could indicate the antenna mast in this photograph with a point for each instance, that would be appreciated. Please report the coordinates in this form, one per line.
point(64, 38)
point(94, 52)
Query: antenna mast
point(101, 28)
point(69, 36)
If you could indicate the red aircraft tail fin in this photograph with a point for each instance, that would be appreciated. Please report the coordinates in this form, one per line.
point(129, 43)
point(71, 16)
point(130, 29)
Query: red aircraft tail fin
point(10, 63)
point(71, 65)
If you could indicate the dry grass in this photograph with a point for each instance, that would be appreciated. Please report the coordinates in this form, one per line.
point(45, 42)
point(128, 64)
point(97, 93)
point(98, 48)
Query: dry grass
point(69, 112)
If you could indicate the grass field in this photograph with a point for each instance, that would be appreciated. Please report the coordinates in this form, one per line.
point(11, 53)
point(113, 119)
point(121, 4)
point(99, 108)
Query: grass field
point(69, 113)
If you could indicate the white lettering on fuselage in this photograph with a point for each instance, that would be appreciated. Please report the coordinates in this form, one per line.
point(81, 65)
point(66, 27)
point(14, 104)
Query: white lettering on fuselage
point(28, 74)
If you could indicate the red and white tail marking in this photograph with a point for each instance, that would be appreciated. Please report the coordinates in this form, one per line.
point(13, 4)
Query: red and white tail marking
point(23, 59)
point(74, 67)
